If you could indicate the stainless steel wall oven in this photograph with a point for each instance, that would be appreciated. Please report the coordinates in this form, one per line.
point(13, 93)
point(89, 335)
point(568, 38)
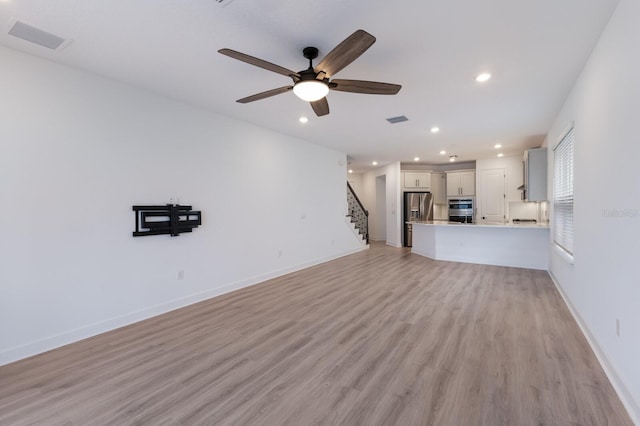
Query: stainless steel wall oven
point(461, 210)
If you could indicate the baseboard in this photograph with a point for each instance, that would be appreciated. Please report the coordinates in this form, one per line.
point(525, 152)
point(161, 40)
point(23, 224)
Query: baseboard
point(52, 342)
point(618, 385)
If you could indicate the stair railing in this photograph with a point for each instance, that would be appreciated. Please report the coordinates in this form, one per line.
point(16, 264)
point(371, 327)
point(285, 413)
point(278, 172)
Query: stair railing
point(359, 215)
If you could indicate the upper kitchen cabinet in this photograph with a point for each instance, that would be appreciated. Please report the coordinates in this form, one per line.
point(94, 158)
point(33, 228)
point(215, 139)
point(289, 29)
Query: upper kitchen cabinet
point(438, 188)
point(535, 175)
point(461, 183)
point(415, 180)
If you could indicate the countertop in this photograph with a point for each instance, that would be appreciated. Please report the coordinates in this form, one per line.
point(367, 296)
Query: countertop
point(483, 225)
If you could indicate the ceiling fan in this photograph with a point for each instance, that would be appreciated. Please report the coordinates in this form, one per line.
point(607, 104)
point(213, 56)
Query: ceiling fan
point(314, 83)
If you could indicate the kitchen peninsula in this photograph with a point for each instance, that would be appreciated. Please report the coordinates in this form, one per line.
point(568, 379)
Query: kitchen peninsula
point(516, 245)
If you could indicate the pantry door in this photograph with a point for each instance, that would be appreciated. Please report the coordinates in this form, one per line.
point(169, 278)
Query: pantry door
point(492, 196)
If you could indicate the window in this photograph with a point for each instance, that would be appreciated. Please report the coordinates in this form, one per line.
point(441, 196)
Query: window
point(563, 193)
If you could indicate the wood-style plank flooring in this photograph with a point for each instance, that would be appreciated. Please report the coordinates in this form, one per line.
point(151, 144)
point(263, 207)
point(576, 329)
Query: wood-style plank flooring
point(381, 337)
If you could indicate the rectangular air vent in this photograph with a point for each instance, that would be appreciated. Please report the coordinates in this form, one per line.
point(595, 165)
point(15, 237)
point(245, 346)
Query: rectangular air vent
point(398, 119)
point(36, 35)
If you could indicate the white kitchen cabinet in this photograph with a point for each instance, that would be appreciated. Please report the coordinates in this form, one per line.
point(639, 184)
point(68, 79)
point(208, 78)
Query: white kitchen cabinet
point(534, 164)
point(461, 183)
point(438, 188)
point(414, 180)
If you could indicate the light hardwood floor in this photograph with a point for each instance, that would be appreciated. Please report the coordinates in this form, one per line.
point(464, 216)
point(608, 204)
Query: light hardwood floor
point(382, 337)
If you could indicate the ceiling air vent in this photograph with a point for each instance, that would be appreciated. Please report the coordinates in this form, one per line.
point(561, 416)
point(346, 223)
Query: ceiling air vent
point(398, 119)
point(36, 35)
point(223, 2)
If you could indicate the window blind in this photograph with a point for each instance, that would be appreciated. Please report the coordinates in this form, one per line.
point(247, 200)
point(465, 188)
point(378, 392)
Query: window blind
point(563, 193)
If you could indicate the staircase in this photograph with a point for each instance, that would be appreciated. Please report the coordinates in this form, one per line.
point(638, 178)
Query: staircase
point(358, 214)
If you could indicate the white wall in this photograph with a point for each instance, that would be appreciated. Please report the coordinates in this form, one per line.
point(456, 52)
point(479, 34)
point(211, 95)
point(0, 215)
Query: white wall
point(381, 208)
point(603, 285)
point(355, 179)
point(77, 151)
point(392, 235)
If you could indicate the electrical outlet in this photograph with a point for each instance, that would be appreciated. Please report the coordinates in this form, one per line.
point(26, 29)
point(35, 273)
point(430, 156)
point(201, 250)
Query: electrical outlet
point(618, 327)
point(279, 253)
point(181, 274)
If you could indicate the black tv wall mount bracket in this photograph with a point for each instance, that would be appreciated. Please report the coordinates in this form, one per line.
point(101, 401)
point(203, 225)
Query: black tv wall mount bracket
point(172, 219)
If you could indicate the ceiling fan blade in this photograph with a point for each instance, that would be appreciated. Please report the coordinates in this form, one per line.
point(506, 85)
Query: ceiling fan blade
point(266, 94)
point(345, 53)
point(259, 63)
point(320, 107)
point(368, 87)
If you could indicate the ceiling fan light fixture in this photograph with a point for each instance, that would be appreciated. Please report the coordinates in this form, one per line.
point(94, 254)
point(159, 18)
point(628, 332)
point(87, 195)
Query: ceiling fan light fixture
point(311, 90)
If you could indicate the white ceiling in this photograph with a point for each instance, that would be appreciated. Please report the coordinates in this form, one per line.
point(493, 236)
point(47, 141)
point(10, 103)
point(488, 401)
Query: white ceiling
point(434, 49)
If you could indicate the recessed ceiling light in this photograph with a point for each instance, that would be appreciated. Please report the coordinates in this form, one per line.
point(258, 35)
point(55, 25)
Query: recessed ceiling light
point(481, 78)
point(497, 146)
point(375, 163)
point(303, 119)
point(435, 129)
point(443, 152)
point(500, 155)
point(416, 159)
point(350, 171)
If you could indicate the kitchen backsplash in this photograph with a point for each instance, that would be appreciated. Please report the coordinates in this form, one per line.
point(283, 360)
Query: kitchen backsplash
point(523, 210)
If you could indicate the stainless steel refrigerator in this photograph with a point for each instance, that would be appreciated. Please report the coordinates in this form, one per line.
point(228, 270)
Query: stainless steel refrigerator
point(417, 206)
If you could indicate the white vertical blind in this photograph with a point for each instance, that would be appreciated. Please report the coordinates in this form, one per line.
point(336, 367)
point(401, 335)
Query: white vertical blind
point(563, 193)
